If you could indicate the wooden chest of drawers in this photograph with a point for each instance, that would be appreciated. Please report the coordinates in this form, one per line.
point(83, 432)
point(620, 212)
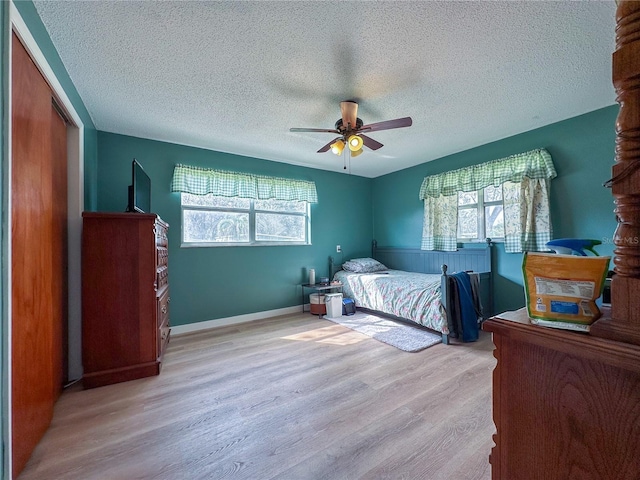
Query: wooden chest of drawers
point(565, 404)
point(125, 296)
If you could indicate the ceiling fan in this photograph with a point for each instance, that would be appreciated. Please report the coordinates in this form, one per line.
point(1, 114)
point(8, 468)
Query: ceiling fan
point(351, 128)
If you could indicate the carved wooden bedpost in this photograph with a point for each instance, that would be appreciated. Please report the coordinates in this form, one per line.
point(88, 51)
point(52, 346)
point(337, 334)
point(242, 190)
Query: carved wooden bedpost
point(624, 324)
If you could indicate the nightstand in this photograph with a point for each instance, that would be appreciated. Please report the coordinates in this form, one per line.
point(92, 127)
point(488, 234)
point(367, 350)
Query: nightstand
point(319, 288)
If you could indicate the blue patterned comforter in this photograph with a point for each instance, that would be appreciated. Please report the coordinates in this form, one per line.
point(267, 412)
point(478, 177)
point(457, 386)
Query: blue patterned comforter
point(408, 295)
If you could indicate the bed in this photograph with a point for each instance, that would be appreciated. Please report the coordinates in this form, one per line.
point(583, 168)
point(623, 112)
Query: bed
point(411, 289)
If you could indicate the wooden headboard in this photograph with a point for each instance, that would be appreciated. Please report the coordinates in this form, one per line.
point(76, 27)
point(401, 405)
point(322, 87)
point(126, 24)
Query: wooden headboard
point(476, 260)
point(423, 261)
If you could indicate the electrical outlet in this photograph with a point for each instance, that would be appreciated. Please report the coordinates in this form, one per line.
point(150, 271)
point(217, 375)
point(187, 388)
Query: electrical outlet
point(338, 249)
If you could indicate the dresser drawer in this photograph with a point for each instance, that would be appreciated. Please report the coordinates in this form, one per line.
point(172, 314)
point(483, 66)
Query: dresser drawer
point(161, 234)
point(163, 338)
point(162, 277)
point(163, 307)
point(162, 256)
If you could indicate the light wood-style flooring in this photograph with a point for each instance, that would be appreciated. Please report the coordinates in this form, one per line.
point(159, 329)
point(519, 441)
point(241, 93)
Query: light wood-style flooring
point(294, 397)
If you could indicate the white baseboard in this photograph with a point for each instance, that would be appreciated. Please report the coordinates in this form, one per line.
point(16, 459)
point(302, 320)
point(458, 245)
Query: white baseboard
point(223, 322)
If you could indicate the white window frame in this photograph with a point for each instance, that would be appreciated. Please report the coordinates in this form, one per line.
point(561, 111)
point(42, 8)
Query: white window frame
point(252, 211)
point(481, 233)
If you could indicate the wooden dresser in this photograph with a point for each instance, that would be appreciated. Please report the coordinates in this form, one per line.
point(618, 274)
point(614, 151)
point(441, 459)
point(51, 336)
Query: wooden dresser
point(567, 405)
point(125, 296)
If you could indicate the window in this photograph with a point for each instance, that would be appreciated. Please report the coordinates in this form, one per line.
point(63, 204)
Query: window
point(481, 214)
point(209, 220)
point(466, 205)
point(222, 208)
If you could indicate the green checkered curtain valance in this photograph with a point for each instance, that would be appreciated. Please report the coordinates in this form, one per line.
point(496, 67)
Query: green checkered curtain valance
point(286, 189)
point(536, 164)
point(204, 181)
point(525, 185)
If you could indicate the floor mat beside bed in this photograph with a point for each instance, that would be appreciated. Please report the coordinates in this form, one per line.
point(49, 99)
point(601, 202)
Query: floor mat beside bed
point(397, 334)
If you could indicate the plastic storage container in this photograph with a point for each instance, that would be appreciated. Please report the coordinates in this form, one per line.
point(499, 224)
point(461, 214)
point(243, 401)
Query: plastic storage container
point(316, 304)
point(348, 306)
point(334, 304)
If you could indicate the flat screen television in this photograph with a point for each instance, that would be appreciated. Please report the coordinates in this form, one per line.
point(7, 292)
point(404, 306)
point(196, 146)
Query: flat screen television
point(139, 190)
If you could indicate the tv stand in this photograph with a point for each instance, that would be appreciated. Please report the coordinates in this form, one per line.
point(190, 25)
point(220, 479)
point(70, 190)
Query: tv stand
point(125, 296)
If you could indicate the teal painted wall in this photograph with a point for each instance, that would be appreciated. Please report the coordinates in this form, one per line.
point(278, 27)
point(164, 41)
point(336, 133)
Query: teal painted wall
point(582, 149)
point(220, 282)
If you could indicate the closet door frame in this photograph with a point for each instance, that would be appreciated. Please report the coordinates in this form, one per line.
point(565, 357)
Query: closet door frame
point(75, 206)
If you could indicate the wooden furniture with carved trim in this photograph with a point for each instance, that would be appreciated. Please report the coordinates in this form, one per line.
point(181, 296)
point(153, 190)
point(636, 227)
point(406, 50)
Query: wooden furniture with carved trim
point(566, 404)
point(624, 323)
point(125, 296)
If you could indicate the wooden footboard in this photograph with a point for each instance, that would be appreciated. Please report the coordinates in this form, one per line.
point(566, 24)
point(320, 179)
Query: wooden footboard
point(444, 298)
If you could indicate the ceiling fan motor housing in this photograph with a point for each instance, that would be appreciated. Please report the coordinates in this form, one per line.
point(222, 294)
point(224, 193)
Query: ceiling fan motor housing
point(342, 128)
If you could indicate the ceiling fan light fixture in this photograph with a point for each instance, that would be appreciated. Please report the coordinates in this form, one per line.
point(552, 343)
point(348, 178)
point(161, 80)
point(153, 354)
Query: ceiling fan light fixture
point(351, 131)
point(337, 147)
point(355, 143)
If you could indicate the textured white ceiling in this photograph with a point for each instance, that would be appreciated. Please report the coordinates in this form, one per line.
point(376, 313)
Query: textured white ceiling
point(234, 76)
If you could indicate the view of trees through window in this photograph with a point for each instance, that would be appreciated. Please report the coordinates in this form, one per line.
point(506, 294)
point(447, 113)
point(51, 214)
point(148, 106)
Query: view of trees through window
point(211, 220)
point(480, 214)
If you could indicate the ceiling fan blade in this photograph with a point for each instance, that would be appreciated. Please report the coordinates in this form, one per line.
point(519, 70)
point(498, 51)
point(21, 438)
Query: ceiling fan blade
point(387, 125)
point(327, 146)
point(370, 142)
point(349, 110)
point(318, 130)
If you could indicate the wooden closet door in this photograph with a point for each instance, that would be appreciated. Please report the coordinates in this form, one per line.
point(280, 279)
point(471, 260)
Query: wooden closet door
point(38, 278)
